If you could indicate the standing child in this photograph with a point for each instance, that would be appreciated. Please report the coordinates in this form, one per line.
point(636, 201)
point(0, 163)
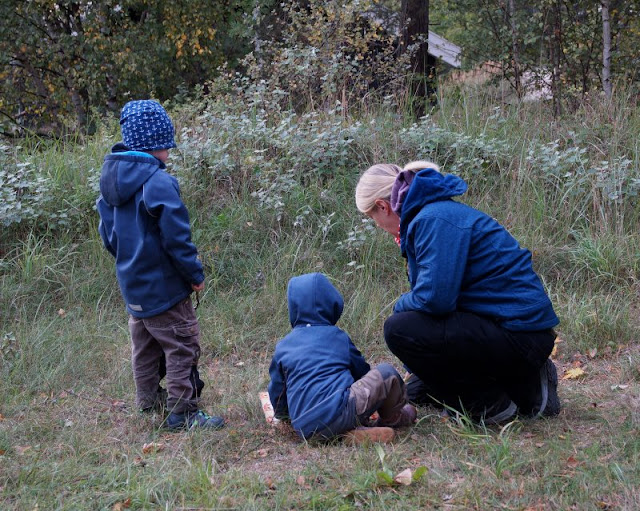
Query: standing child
point(145, 226)
point(319, 379)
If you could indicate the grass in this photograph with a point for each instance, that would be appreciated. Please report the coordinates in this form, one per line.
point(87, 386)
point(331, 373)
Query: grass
point(71, 438)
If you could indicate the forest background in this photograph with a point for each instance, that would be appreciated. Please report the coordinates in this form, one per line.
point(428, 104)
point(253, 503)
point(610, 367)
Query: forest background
point(278, 108)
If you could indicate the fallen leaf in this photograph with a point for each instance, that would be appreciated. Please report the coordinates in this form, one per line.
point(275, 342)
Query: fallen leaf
point(152, 447)
point(21, 449)
point(269, 483)
point(139, 462)
point(572, 462)
point(62, 313)
point(300, 480)
point(619, 387)
point(572, 374)
point(119, 506)
point(404, 477)
point(592, 352)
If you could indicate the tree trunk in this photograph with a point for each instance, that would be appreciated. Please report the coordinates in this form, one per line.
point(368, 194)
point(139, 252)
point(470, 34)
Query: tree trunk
point(555, 43)
point(78, 105)
point(515, 49)
point(415, 23)
point(606, 48)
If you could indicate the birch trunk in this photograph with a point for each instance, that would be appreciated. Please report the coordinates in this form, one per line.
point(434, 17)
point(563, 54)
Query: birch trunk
point(606, 48)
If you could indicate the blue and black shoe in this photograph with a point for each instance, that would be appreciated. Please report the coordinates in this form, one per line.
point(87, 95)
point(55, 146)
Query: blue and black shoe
point(195, 419)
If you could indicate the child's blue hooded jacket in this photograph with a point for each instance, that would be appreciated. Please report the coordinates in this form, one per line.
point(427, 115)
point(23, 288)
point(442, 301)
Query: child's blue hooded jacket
point(462, 259)
point(314, 366)
point(145, 226)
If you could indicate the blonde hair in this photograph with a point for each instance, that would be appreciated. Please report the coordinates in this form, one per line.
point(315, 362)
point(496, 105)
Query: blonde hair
point(377, 181)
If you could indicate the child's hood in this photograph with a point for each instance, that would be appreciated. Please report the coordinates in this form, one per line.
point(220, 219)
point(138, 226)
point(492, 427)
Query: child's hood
point(313, 300)
point(124, 172)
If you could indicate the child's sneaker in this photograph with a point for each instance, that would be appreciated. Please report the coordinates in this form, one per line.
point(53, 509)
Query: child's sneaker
point(363, 435)
point(406, 417)
point(193, 419)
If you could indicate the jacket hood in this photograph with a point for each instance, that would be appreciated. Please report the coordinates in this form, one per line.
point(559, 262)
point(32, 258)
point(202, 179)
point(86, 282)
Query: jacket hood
point(124, 172)
point(313, 300)
point(429, 185)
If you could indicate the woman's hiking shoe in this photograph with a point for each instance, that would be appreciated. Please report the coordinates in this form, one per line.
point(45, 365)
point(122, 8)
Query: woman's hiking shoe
point(364, 435)
point(549, 374)
point(195, 419)
point(406, 417)
point(504, 412)
point(547, 400)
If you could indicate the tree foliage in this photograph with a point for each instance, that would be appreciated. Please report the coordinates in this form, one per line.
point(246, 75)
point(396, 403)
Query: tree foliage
point(318, 52)
point(61, 58)
point(559, 42)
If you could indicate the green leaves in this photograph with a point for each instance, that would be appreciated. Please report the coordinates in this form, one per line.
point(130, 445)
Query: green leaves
point(404, 478)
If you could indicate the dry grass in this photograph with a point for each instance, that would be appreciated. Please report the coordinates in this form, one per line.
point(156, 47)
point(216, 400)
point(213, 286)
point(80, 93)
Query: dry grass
point(84, 448)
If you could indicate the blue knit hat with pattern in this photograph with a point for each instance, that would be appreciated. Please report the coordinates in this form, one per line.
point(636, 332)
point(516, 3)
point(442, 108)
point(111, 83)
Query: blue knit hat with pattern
point(146, 126)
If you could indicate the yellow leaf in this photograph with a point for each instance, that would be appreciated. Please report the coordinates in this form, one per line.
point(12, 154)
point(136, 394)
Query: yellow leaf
point(572, 374)
point(152, 447)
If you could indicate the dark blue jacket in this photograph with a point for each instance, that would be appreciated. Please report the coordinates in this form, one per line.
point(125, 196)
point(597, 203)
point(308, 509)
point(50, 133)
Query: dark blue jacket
point(314, 366)
point(145, 226)
point(460, 259)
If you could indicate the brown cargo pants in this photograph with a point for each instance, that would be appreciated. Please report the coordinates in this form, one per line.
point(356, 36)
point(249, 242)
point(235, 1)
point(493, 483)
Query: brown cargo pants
point(176, 334)
point(381, 390)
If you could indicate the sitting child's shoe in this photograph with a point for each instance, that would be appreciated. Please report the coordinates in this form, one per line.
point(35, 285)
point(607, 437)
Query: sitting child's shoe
point(193, 419)
point(363, 435)
point(406, 417)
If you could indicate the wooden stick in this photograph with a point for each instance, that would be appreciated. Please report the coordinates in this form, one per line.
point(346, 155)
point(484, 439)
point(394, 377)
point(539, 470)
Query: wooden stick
point(267, 408)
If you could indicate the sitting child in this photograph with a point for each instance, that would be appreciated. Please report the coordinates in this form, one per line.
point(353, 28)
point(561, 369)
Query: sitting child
point(319, 379)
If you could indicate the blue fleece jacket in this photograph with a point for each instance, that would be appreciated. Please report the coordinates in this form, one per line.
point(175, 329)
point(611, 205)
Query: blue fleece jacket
point(314, 366)
point(145, 226)
point(460, 259)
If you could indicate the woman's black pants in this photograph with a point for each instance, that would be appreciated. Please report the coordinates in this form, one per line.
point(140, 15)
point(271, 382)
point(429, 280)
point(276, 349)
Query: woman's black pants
point(469, 362)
